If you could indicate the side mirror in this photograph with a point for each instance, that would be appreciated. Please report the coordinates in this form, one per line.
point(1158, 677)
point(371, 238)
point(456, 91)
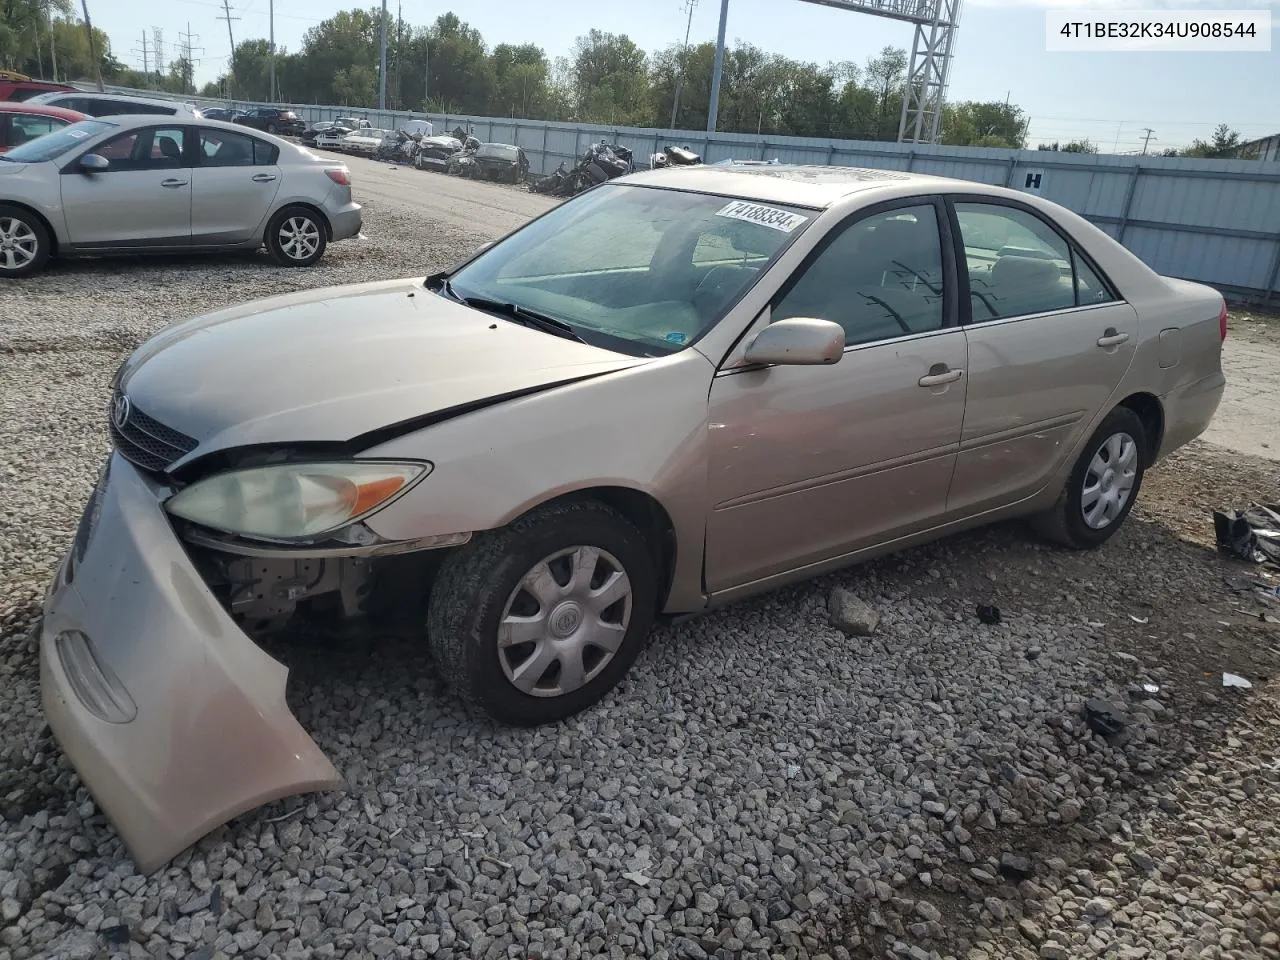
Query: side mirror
point(800, 340)
point(92, 162)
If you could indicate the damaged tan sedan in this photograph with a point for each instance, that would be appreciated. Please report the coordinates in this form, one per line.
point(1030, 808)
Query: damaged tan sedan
point(675, 390)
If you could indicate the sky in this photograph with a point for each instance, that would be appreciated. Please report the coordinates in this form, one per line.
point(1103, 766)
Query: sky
point(1000, 51)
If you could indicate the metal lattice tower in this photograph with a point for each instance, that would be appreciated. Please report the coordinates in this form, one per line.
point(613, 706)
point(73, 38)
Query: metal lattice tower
point(936, 22)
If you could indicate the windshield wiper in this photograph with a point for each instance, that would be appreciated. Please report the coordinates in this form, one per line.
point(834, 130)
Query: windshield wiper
point(521, 315)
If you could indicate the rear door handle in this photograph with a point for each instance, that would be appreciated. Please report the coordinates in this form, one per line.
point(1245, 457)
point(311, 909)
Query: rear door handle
point(173, 183)
point(263, 178)
point(941, 379)
point(1110, 338)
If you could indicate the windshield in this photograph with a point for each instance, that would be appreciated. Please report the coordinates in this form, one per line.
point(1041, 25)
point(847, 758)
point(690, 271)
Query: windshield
point(55, 144)
point(498, 151)
point(642, 270)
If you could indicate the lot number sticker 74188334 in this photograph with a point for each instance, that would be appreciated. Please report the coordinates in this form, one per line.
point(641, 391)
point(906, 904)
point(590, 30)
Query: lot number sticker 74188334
point(770, 217)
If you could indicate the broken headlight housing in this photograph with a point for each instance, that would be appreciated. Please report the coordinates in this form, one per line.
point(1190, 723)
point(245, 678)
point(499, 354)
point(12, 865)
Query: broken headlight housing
point(295, 501)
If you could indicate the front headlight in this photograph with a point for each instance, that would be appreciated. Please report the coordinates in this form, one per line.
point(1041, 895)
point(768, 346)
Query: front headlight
point(293, 501)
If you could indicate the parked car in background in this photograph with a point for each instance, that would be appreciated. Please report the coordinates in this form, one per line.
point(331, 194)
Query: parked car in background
point(139, 184)
point(21, 122)
point(114, 105)
point(417, 128)
point(352, 123)
point(275, 120)
point(434, 152)
point(783, 371)
point(308, 136)
point(16, 87)
point(499, 161)
point(364, 142)
point(225, 114)
point(330, 139)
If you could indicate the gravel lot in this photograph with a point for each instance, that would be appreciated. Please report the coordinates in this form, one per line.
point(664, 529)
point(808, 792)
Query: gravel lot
point(761, 786)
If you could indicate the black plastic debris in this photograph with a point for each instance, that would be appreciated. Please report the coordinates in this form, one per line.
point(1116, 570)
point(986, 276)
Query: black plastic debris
point(1016, 866)
point(988, 613)
point(1104, 717)
point(1252, 535)
point(116, 935)
point(215, 900)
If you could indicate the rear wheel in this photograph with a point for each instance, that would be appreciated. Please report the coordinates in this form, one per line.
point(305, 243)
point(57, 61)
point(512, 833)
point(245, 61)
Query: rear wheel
point(24, 242)
point(272, 128)
point(539, 620)
point(1102, 487)
point(296, 237)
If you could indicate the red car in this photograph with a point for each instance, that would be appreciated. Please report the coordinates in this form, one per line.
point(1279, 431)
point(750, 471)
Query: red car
point(18, 86)
point(20, 122)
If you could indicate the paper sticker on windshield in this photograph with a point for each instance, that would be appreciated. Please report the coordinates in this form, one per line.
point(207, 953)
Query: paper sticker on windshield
point(770, 217)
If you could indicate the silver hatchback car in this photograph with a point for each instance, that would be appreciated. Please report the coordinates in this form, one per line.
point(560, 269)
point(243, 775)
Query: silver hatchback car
point(147, 184)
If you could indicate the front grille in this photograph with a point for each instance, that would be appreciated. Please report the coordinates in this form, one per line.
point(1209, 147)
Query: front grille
point(147, 442)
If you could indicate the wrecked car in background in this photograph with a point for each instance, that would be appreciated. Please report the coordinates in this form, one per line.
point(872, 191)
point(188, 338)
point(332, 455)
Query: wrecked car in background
point(504, 162)
point(814, 366)
point(434, 152)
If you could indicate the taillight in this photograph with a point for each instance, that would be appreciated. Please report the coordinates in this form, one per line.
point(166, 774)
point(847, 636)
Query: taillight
point(1222, 321)
point(343, 178)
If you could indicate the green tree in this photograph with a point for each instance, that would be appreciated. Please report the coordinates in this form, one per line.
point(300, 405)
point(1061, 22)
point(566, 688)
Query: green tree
point(1223, 143)
point(520, 77)
point(990, 124)
point(610, 78)
point(1074, 146)
point(885, 75)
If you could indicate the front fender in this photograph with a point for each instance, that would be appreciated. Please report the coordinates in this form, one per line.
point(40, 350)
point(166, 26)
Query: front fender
point(643, 428)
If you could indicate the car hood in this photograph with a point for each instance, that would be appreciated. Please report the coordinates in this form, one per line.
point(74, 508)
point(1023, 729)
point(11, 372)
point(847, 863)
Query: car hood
point(342, 364)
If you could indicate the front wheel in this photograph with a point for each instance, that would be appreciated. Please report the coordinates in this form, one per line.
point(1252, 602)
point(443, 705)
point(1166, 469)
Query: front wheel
point(296, 237)
point(1102, 487)
point(539, 620)
point(272, 128)
point(24, 242)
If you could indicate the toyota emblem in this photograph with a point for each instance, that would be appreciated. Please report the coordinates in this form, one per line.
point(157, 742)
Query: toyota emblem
point(120, 411)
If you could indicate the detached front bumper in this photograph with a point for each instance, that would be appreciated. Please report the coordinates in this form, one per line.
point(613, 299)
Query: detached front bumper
point(173, 718)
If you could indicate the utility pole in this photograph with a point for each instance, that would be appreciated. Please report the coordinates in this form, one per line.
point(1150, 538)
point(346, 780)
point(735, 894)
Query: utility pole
point(146, 63)
point(382, 60)
point(53, 49)
point(93, 52)
point(1147, 139)
point(35, 25)
point(426, 72)
point(188, 58)
point(226, 15)
point(714, 108)
point(271, 41)
point(399, 52)
point(684, 52)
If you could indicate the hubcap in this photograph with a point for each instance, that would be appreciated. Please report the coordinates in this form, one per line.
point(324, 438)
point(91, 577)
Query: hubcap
point(299, 238)
point(1108, 483)
point(18, 244)
point(564, 621)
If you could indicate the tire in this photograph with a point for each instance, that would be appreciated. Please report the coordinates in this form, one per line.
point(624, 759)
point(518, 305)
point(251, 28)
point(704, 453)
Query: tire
point(24, 242)
point(481, 584)
point(1120, 435)
point(272, 128)
point(312, 239)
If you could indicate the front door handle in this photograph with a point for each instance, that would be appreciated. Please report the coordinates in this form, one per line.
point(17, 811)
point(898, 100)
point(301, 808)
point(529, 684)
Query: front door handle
point(263, 178)
point(173, 183)
point(1110, 338)
point(941, 377)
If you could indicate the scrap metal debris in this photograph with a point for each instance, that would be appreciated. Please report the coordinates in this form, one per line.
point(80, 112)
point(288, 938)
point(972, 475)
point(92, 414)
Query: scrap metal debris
point(1104, 717)
point(1252, 535)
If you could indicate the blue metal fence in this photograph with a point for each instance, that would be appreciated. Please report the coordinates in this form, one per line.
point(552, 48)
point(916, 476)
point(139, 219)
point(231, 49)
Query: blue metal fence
point(1215, 221)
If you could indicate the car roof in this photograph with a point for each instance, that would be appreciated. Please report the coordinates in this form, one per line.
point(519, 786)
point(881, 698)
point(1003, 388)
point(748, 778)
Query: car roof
point(179, 105)
point(801, 185)
point(42, 110)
